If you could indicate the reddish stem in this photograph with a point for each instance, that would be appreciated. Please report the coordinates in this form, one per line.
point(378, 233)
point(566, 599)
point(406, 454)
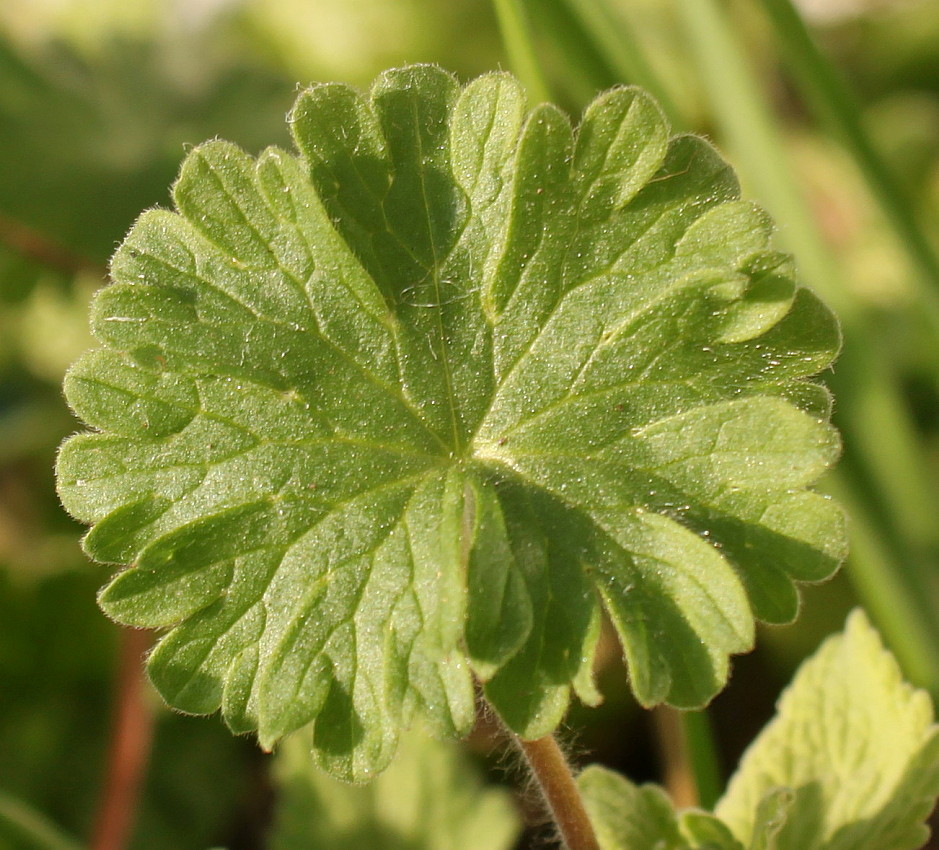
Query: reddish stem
point(556, 780)
point(129, 746)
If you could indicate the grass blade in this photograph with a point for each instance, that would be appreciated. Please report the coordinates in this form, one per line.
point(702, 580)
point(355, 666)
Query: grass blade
point(31, 828)
point(881, 441)
point(900, 612)
point(517, 38)
point(835, 105)
point(614, 41)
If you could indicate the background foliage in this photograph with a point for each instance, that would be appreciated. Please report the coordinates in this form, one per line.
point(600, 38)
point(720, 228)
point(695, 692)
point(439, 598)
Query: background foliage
point(98, 101)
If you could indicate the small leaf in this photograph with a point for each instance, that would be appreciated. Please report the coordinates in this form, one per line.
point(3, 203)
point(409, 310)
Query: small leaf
point(431, 798)
point(851, 762)
point(771, 816)
point(626, 816)
point(433, 394)
point(631, 817)
point(707, 832)
point(703, 831)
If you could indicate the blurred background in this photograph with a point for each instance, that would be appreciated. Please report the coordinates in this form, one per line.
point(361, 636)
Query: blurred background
point(832, 120)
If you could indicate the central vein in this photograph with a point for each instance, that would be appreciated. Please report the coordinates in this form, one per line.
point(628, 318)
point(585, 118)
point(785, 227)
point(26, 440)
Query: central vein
point(438, 300)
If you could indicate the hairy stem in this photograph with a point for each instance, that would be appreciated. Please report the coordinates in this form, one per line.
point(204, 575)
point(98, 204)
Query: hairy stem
point(556, 781)
point(129, 747)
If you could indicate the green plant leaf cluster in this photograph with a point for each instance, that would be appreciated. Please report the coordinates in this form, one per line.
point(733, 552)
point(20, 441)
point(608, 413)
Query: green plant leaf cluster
point(408, 407)
point(850, 761)
point(430, 798)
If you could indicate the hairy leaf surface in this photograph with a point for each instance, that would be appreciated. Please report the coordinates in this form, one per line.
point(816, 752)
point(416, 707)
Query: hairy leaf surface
point(412, 405)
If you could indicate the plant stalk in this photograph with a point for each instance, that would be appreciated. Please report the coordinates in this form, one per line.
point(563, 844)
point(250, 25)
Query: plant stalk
point(686, 744)
point(129, 748)
point(556, 781)
point(702, 756)
point(517, 38)
point(677, 776)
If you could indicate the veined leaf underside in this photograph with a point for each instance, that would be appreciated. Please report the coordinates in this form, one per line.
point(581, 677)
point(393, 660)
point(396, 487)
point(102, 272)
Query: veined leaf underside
point(408, 407)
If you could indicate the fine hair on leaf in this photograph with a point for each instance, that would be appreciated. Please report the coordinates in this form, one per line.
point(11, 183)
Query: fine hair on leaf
point(405, 410)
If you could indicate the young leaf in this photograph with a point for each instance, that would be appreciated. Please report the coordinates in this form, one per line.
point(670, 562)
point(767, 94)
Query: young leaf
point(411, 406)
point(707, 832)
point(627, 817)
point(630, 817)
point(853, 751)
point(429, 799)
point(851, 762)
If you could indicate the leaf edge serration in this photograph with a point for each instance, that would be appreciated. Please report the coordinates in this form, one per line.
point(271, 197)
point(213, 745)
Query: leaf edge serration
point(538, 718)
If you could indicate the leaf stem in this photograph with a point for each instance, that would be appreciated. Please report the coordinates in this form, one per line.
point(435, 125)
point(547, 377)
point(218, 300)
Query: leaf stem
point(691, 772)
point(702, 756)
point(677, 774)
point(690, 764)
point(556, 781)
point(129, 748)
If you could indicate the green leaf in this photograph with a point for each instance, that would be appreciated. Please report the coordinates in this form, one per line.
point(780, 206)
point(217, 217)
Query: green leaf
point(631, 817)
point(431, 798)
point(703, 831)
point(626, 816)
point(411, 407)
point(851, 760)
point(707, 832)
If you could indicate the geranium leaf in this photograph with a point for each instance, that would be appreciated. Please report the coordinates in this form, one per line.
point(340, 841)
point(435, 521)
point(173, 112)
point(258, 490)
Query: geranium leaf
point(413, 405)
point(850, 761)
